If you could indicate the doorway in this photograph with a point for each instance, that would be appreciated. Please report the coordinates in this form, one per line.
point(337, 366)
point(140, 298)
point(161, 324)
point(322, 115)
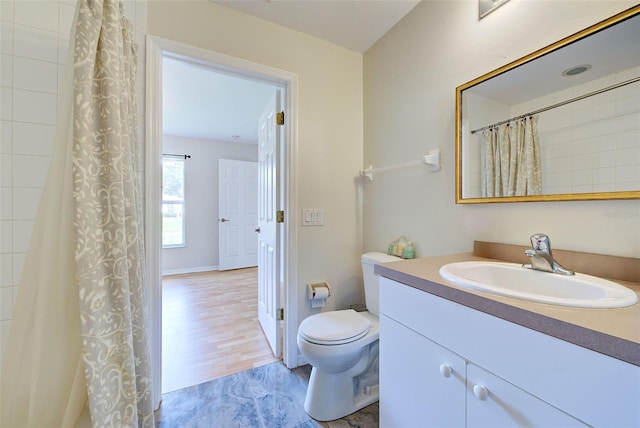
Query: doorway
point(157, 49)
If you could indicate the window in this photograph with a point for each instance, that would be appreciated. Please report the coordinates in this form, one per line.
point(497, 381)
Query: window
point(172, 202)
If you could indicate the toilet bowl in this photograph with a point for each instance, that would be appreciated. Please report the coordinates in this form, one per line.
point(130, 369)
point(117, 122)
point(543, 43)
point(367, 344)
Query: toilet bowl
point(342, 348)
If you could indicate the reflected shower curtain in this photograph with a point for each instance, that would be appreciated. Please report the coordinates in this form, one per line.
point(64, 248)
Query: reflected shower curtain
point(511, 164)
point(78, 336)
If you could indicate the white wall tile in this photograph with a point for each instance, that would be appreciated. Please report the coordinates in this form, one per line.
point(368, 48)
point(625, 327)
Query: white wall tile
point(6, 270)
point(6, 170)
point(18, 263)
point(63, 48)
point(35, 75)
point(65, 18)
point(37, 14)
point(6, 10)
point(4, 334)
point(627, 174)
point(6, 70)
point(6, 303)
point(6, 136)
point(6, 203)
point(30, 171)
point(6, 37)
point(605, 176)
point(34, 107)
point(25, 202)
point(6, 237)
point(21, 235)
point(35, 43)
point(628, 187)
point(61, 76)
point(6, 103)
point(33, 139)
point(627, 140)
point(628, 156)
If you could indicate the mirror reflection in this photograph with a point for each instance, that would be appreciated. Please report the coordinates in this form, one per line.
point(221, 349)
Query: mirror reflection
point(560, 124)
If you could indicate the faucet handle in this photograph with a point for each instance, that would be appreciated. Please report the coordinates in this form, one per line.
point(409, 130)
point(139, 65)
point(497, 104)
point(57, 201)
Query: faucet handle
point(541, 242)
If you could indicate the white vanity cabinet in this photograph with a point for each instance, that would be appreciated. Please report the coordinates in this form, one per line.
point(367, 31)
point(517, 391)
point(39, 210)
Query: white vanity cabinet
point(444, 364)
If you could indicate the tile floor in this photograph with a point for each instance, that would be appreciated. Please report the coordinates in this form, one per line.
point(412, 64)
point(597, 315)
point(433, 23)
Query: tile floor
point(269, 396)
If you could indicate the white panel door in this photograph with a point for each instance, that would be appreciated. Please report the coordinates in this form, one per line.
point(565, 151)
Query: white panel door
point(237, 214)
point(268, 187)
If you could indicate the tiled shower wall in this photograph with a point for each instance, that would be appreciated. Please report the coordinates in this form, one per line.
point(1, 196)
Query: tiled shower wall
point(592, 145)
point(34, 38)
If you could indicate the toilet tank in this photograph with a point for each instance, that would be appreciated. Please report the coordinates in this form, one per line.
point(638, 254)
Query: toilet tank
point(371, 284)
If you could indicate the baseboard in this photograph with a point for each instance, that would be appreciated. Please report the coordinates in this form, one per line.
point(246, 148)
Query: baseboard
point(188, 270)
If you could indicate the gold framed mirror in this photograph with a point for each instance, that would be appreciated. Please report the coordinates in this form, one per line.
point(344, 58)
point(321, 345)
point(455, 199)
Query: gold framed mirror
point(560, 124)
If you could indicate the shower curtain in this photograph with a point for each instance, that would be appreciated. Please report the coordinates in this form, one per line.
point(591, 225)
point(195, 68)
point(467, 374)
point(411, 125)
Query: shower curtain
point(511, 163)
point(78, 337)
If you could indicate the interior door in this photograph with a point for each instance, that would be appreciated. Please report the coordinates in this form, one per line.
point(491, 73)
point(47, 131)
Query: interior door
point(237, 214)
point(268, 188)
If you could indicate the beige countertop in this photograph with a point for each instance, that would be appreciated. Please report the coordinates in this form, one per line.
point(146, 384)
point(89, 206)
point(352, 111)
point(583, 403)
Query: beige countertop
point(613, 332)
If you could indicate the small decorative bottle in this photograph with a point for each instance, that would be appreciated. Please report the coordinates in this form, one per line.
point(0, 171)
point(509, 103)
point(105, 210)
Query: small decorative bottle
point(409, 251)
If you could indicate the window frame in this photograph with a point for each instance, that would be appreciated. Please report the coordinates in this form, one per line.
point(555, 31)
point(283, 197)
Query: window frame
point(179, 202)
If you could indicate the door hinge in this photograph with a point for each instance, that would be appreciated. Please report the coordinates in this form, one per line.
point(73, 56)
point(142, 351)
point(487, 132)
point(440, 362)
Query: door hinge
point(280, 216)
point(280, 118)
point(281, 314)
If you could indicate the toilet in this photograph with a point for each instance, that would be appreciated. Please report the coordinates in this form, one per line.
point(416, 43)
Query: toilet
point(342, 348)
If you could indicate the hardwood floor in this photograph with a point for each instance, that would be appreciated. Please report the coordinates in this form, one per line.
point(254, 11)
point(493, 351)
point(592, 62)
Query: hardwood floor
point(210, 327)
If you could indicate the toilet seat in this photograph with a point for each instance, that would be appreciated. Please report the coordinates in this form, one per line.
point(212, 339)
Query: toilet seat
point(334, 328)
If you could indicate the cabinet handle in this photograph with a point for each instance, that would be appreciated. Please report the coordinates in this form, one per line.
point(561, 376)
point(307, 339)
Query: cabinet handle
point(445, 370)
point(481, 392)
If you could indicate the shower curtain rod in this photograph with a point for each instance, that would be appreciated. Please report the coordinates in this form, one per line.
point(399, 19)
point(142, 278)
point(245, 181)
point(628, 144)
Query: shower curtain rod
point(177, 156)
point(590, 94)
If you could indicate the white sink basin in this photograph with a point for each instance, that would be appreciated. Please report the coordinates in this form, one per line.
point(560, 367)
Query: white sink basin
point(512, 280)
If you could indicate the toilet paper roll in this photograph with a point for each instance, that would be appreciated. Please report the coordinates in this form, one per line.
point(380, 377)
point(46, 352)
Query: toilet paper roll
point(319, 297)
point(320, 293)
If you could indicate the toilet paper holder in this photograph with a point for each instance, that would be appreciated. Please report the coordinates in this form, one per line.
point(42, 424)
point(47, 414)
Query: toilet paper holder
point(312, 292)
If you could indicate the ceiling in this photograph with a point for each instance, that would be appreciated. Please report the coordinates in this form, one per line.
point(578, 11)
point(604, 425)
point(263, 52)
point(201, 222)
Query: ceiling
point(203, 103)
point(606, 52)
point(353, 24)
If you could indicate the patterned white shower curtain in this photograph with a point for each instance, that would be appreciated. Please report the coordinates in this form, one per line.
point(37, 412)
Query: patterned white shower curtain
point(511, 164)
point(79, 338)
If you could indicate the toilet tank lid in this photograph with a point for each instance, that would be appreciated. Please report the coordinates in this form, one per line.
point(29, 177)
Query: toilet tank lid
point(377, 257)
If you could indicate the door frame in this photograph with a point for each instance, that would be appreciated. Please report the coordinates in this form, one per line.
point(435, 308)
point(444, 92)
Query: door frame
point(156, 49)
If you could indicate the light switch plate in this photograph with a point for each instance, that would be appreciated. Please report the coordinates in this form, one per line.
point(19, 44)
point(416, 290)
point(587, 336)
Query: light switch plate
point(312, 217)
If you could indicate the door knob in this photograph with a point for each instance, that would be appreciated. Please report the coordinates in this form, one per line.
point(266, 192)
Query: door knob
point(258, 230)
point(222, 220)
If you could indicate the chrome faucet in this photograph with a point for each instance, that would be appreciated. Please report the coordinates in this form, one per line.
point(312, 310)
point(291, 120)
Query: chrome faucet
point(542, 258)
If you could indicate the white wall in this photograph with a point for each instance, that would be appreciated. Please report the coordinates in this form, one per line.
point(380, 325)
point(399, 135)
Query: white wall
point(201, 200)
point(410, 77)
point(34, 38)
point(329, 129)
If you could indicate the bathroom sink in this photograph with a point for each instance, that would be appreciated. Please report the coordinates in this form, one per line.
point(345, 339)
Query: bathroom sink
point(512, 280)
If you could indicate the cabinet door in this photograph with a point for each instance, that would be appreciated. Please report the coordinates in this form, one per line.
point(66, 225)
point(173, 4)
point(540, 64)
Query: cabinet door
point(421, 383)
point(505, 405)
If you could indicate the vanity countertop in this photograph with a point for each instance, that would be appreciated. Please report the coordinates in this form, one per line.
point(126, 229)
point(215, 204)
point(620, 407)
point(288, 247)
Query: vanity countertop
point(613, 332)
